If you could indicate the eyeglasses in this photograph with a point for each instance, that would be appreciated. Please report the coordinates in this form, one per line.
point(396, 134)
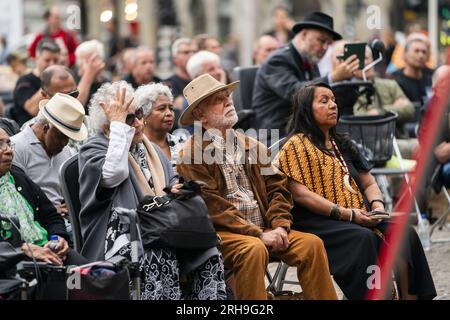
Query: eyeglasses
point(131, 117)
point(5, 144)
point(74, 94)
point(186, 52)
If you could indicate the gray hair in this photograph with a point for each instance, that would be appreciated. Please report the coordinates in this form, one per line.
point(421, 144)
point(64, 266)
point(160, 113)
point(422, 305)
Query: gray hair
point(147, 95)
point(134, 54)
point(106, 93)
point(194, 66)
point(89, 47)
point(176, 45)
point(40, 119)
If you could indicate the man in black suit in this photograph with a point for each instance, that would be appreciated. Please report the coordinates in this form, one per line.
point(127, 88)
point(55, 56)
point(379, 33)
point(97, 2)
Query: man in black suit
point(290, 68)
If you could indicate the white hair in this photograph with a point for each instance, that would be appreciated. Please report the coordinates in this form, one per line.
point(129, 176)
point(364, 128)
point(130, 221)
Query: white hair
point(40, 118)
point(176, 45)
point(105, 94)
point(147, 95)
point(88, 48)
point(134, 54)
point(195, 64)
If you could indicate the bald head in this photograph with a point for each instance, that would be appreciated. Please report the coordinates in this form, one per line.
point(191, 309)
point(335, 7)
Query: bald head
point(265, 45)
point(57, 79)
point(53, 17)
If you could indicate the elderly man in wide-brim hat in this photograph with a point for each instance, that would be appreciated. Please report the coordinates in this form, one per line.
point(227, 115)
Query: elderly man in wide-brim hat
point(248, 201)
point(41, 148)
point(291, 68)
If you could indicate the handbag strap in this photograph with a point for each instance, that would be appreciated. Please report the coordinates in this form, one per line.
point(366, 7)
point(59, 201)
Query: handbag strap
point(156, 202)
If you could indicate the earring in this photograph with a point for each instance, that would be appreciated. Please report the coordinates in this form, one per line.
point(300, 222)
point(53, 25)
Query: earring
point(145, 123)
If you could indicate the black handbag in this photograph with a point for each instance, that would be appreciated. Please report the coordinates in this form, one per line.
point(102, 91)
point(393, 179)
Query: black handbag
point(104, 280)
point(177, 220)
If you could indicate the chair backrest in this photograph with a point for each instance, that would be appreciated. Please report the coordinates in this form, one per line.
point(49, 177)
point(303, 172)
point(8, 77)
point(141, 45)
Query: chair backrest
point(273, 149)
point(68, 177)
point(243, 95)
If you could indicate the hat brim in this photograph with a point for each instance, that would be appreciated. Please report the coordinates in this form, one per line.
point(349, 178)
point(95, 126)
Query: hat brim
point(313, 25)
point(77, 136)
point(187, 117)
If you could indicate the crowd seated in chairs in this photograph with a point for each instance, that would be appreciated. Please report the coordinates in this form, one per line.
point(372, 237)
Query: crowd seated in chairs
point(313, 218)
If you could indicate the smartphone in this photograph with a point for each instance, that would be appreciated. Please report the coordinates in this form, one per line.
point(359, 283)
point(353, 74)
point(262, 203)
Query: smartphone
point(358, 48)
point(379, 214)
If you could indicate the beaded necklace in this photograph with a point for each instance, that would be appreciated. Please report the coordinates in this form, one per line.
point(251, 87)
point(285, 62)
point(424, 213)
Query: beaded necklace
point(344, 167)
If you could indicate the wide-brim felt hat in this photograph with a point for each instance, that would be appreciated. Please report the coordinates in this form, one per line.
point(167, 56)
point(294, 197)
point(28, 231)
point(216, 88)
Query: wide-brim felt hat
point(317, 20)
point(198, 90)
point(67, 114)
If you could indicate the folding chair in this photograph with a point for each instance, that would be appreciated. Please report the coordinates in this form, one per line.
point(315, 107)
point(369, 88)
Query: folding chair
point(68, 177)
point(277, 280)
point(243, 95)
point(440, 223)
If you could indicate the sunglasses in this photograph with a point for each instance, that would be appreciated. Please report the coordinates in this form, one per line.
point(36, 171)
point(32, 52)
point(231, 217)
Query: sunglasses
point(74, 94)
point(131, 117)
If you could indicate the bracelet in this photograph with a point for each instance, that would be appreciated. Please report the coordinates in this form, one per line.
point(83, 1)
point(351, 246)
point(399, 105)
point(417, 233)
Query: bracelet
point(376, 200)
point(335, 213)
point(352, 217)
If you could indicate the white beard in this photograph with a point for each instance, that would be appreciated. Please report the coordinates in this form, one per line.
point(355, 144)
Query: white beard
point(220, 121)
point(305, 52)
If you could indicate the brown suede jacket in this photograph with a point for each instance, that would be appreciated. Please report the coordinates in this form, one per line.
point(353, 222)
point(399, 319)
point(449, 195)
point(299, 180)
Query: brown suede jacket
point(269, 186)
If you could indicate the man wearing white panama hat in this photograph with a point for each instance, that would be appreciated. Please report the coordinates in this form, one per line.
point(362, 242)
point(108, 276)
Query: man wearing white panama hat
point(248, 201)
point(41, 149)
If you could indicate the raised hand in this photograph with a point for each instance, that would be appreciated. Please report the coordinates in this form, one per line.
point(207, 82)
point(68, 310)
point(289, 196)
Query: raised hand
point(346, 69)
point(117, 109)
point(94, 66)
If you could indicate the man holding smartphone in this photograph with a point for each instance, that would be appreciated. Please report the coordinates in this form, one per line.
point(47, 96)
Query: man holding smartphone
point(291, 67)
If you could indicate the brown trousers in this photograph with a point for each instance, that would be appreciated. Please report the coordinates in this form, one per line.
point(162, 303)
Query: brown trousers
point(249, 257)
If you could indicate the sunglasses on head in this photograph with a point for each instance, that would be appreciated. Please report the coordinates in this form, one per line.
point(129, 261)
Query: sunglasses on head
point(131, 117)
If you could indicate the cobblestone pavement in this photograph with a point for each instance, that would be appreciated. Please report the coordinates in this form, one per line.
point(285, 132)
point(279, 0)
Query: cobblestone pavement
point(438, 259)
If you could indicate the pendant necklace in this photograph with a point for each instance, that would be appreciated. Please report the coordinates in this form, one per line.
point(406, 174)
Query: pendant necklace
point(344, 167)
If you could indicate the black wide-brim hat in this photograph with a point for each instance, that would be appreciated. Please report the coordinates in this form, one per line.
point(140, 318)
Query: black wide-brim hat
point(317, 20)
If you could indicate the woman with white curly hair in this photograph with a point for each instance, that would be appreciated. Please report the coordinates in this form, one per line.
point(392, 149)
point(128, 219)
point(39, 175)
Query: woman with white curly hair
point(118, 167)
point(156, 102)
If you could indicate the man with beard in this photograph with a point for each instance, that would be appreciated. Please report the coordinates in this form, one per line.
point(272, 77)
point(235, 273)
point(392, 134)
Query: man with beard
point(290, 68)
point(247, 198)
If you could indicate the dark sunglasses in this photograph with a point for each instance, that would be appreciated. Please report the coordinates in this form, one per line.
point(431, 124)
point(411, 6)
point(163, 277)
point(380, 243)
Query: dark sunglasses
point(74, 94)
point(131, 117)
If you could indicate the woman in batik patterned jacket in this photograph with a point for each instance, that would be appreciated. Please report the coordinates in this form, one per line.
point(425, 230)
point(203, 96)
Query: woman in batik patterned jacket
point(334, 194)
